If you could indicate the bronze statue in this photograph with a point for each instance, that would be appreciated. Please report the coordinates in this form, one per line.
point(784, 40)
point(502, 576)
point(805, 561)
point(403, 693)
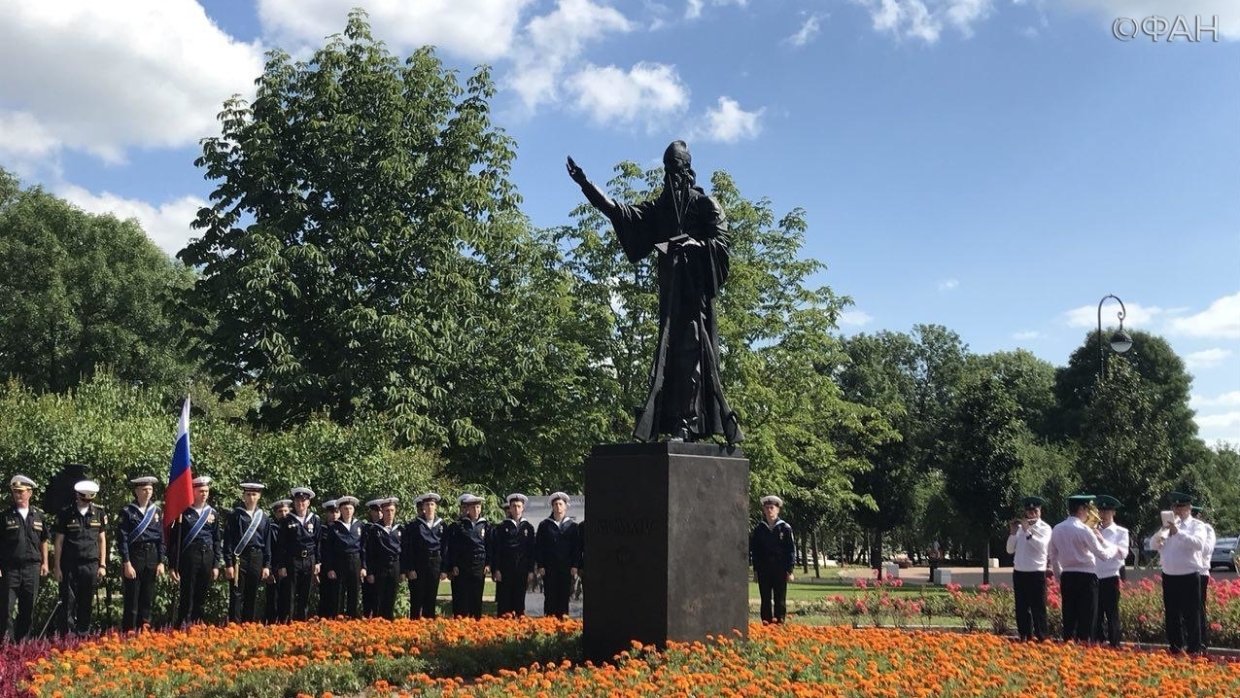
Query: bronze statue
point(687, 229)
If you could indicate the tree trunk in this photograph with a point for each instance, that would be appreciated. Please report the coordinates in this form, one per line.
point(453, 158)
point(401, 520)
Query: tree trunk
point(814, 544)
point(986, 562)
point(804, 558)
point(876, 553)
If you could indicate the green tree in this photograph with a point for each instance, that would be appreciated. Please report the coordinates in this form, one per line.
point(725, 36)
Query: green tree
point(1161, 371)
point(1125, 445)
point(79, 292)
point(364, 254)
point(912, 379)
point(981, 476)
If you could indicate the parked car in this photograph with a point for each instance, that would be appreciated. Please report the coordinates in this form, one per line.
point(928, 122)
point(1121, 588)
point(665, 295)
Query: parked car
point(1224, 553)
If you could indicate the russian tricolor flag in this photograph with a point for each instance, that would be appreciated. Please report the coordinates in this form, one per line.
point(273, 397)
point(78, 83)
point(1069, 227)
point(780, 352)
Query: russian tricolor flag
point(180, 491)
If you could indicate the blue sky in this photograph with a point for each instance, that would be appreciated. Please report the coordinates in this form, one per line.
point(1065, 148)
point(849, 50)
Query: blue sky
point(995, 166)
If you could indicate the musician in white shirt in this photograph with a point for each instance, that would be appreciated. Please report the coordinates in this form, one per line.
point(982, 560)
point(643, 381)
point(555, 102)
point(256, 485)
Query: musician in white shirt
point(1109, 572)
point(1073, 554)
point(1203, 570)
point(1180, 542)
point(1028, 538)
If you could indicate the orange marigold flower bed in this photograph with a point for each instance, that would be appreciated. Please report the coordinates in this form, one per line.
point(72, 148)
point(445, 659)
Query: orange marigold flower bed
point(514, 658)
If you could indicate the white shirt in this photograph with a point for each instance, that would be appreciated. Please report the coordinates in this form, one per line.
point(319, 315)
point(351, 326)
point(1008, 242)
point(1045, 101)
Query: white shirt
point(1029, 545)
point(1178, 553)
point(1118, 536)
point(1075, 548)
point(1203, 560)
point(24, 511)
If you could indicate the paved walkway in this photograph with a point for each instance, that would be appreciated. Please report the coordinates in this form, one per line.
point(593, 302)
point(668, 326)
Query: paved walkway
point(972, 576)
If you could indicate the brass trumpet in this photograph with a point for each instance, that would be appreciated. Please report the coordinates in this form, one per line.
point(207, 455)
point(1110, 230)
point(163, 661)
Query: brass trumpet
point(1092, 517)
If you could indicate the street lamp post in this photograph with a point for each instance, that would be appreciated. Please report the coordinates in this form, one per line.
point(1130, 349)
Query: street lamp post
point(1120, 341)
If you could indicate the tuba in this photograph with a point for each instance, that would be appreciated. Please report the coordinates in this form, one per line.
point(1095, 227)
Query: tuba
point(1092, 517)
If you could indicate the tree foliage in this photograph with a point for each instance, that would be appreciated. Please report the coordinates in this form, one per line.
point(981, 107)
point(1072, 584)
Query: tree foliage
point(985, 458)
point(80, 292)
point(1125, 444)
point(120, 431)
point(363, 251)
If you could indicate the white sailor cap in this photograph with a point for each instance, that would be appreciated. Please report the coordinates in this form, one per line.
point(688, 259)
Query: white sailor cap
point(202, 481)
point(144, 481)
point(330, 505)
point(469, 498)
point(374, 504)
point(301, 492)
point(281, 503)
point(86, 488)
point(389, 500)
point(772, 499)
point(514, 497)
point(341, 501)
point(559, 495)
point(21, 482)
point(428, 497)
point(252, 487)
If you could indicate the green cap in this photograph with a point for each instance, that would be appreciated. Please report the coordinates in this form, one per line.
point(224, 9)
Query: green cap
point(1198, 509)
point(1032, 501)
point(1106, 501)
point(1081, 499)
point(1178, 498)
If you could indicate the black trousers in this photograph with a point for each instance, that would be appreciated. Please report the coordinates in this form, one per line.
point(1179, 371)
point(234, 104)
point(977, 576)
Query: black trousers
point(773, 590)
point(368, 599)
point(510, 591)
point(557, 589)
point(1205, 622)
point(275, 587)
point(78, 581)
point(347, 588)
point(1080, 604)
point(329, 595)
point(1030, 592)
point(1182, 604)
point(295, 595)
point(424, 590)
point(19, 587)
point(467, 593)
point(245, 587)
point(195, 566)
point(138, 594)
point(1106, 628)
point(387, 581)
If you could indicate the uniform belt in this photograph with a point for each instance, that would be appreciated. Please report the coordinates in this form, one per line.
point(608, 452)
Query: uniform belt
point(303, 553)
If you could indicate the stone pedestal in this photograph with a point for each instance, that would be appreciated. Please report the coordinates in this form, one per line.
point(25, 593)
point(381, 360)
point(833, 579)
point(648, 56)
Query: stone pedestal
point(667, 545)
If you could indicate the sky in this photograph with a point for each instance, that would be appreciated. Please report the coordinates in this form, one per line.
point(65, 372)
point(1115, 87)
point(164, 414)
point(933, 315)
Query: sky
point(994, 166)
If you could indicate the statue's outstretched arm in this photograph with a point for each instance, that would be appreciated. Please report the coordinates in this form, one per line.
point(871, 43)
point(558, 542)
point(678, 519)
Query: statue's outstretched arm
point(594, 195)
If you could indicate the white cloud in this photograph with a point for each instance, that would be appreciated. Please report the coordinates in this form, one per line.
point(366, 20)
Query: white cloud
point(925, 19)
point(1223, 420)
point(1229, 399)
point(1225, 10)
point(694, 8)
point(167, 224)
point(105, 77)
point(1026, 334)
point(949, 285)
point(1207, 358)
point(855, 318)
point(727, 122)
point(1138, 316)
point(809, 29)
point(479, 30)
point(1220, 321)
point(611, 95)
point(552, 41)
